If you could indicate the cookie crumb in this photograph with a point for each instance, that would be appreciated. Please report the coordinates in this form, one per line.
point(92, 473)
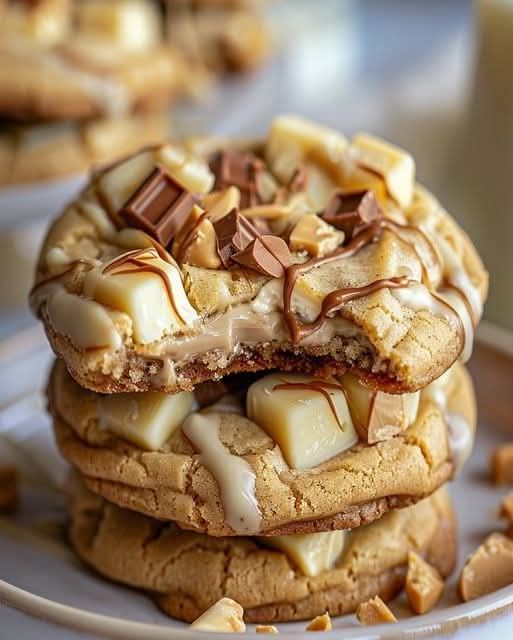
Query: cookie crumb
point(225, 615)
point(488, 568)
point(9, 491)
point(501, 464)
point(374, 611)
point(424, 584)
point(320, 623)
point(266, 628)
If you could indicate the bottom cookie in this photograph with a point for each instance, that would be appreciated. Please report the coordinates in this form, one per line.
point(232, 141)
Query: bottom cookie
point(187, 572)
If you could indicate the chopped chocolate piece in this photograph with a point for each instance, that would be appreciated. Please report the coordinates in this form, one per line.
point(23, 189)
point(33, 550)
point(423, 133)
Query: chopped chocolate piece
point(160, 206)
point(234, 232)
point(351, 212)
point(299, 180)
point(240, 170)
point(269, 255)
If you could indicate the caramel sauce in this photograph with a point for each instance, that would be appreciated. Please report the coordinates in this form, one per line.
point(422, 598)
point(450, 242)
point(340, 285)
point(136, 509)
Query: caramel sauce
point(298, 330)
point(321, 387)
point(134, 258)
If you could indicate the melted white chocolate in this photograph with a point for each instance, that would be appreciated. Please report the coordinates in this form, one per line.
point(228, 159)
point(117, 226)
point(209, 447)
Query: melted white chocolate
point(86, 323)
point(454, 271)
point(419, 298)
point(447, 303)
point(460, 433)
point(233, 474)
point(455, 298)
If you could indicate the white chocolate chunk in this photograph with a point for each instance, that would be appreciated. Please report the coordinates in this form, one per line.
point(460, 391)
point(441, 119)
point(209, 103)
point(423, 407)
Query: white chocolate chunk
point(225, 615)
point(192, 173)
point(119, 183)
point(156, 302)
point(131, 24)
point(395, 165)
point(293, 139)
point(146, 419)
point(377, 415)
point(308, 429)
point(84, 322)
point(312, 553)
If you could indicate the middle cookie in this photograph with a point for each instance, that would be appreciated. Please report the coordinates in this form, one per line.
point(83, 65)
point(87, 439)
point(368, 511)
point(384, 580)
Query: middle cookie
point(273, 455)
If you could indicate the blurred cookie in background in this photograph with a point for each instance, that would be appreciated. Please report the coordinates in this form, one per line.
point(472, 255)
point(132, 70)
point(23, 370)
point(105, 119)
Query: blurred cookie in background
point(84, 59)
point(222, 35)
point(35, 152)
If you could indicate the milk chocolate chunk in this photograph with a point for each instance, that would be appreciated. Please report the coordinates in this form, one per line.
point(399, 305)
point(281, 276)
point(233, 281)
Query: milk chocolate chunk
point(242, 170)
point(352, 212)
point(268, 255)
point(160, 206)
point(234, 233)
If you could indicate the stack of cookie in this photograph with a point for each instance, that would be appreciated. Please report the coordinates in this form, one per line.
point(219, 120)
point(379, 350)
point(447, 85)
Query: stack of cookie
point(86, 81)
point(261, 351)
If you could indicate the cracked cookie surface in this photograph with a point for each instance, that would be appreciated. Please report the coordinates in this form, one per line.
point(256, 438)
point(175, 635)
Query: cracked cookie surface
point(352, 488)
point(175, 565)
point(391, 288)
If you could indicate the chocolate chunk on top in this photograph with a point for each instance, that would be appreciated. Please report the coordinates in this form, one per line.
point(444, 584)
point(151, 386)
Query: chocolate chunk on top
point(160, 206)
point(234, 232)
point(351, 212)
point(267, 254)
point(241, 170)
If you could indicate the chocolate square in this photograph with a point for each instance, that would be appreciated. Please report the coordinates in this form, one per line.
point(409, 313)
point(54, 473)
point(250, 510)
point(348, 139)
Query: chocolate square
point(160, 206)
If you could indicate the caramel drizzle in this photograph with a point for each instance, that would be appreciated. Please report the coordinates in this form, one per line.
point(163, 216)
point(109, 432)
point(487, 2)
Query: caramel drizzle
point(191, 236)
point(321, 387)
point(133, 258)
point(297, 329)
point(336, 299)
point(72, 265)
point(396, 227)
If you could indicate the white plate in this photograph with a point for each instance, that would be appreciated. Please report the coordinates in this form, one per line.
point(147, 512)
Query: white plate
point(43, 578)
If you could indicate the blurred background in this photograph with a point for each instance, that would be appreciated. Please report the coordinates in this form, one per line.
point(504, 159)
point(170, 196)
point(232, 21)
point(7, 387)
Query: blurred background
point(432, 76)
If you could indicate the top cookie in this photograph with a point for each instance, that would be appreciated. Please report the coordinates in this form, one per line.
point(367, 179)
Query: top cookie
point(305, 251)
point(62, 59)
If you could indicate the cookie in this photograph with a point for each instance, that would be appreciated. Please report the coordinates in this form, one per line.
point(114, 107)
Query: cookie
point(61, 59)
point(220, 473)
point(272, 585)
point(30, 153)
point(232, 38)
point(303, 252)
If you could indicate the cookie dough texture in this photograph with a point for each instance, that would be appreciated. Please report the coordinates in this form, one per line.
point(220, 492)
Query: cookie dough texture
point(29, 153)
point(395, 344)
point(176, 565)
point(352, 489)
